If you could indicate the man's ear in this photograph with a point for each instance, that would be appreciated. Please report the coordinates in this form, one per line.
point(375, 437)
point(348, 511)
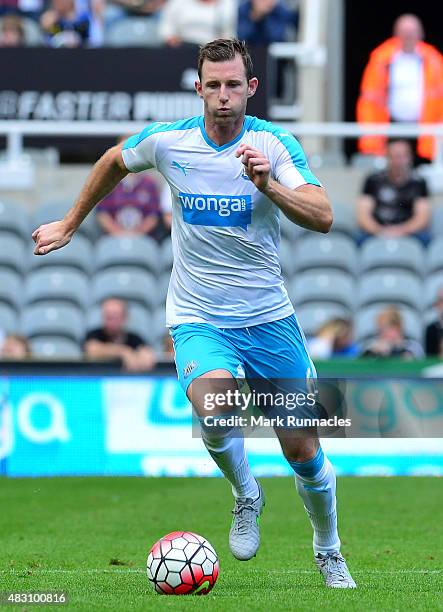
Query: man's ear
point(252, 86)
point(198, 88)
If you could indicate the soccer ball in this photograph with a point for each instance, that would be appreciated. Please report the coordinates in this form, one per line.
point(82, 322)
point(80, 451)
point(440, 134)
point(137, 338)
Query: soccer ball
point(182, 563)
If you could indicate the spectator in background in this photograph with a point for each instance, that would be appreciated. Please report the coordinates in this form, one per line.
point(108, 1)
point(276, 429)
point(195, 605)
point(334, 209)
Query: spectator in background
point(434, 331)
point(140, 205)
point(15, 347)
point(112, 340)
point(22, 8)
point(119, 9)
point(394, 202)
point(402, 82)
point(390, 340)
point(333, 339)
point(65, 26)
point(12, 32)
point(197, 21)
point(95, 9)
point(262, 22)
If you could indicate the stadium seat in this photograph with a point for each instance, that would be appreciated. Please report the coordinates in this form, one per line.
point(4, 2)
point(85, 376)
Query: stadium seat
point(314, 314)
point(134, 32)
point(139, 320)
point(432, 285)
point(434, 255)
point(159, 329)
point(437, 222)
point(55, 346)
point(141, 252)
point(128, 283)
point(289, 230)
point(162, 289)
point(8, 319)
point(287, 257)
point(332, 251)
point(13, 253)
point(366, 322)
point(166, 255)
point(77, 254)
point(323, 286)
point(46, 213)
point(52, 318)
point(64, 284)
point(403, 253)
point(393, 286)
point(14, 219)
point(11, 288)
point(345, 221)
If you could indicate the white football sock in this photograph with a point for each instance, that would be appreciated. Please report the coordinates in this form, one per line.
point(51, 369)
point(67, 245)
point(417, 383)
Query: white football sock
point(316, 484)
point(229, 454)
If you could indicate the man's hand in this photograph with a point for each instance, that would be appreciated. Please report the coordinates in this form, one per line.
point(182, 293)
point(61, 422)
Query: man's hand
point(51, 237)
point(257, 167)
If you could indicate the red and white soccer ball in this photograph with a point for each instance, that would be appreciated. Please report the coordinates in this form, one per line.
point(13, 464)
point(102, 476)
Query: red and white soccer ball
point(182, 563)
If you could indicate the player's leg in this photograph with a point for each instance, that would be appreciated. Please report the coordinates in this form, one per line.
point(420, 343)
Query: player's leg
point(226, 447)
point(316, 484)
point(225, 444)
point(282, 354)
point(207, 364)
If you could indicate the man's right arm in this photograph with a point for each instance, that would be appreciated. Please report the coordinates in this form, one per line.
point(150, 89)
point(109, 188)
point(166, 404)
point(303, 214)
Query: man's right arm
point(365, 218)
point(106, 173)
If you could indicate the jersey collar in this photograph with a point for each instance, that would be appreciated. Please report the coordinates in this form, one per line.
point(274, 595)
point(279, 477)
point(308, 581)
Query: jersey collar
point(211, 143)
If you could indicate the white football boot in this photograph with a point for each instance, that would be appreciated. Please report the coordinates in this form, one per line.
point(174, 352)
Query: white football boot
point(244, 536)
point(334, 570)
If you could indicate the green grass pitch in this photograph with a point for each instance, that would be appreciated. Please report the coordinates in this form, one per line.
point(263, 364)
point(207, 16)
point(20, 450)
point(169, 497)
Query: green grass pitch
point(90, 538)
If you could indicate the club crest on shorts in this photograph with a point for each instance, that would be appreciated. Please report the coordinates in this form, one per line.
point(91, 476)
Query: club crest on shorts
point(189, 368)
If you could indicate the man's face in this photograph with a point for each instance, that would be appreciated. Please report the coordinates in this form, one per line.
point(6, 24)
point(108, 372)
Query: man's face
point(388, 331)
point(399, 156)
point(225, 90)
point(114, 317)
point(410, 31)
point(63, 7)
point(439, 302)
point(265, 6)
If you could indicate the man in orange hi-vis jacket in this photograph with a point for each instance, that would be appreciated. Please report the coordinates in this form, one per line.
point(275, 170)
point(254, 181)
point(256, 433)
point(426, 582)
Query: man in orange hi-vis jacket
point(402, 82)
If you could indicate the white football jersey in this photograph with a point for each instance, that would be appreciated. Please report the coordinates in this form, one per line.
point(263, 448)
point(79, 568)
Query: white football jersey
point(225, 232)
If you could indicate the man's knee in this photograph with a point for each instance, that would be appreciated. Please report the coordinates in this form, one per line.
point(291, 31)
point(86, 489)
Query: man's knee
point(298, 447)
point(206, 393)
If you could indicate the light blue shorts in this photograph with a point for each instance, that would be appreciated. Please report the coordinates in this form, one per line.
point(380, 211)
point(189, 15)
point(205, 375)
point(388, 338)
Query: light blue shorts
point(274, 350)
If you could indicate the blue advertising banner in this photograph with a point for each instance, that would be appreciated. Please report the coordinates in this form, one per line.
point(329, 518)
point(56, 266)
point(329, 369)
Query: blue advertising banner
point(55, 426)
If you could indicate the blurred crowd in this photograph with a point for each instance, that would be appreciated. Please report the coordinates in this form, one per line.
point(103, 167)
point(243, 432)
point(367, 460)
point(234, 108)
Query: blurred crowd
point(402, 82)
point(335, 338)
point(87, 23)
point(111, 341)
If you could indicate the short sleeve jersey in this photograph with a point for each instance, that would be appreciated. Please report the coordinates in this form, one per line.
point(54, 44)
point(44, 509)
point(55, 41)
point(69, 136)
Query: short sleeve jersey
point(225, 232)
point(394, 203)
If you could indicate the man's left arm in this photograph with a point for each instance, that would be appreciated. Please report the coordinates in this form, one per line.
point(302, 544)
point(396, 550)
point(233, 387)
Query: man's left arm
point(306, 205)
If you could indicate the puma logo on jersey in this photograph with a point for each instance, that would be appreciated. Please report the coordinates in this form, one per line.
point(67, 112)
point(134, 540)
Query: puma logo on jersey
point(183, 167)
